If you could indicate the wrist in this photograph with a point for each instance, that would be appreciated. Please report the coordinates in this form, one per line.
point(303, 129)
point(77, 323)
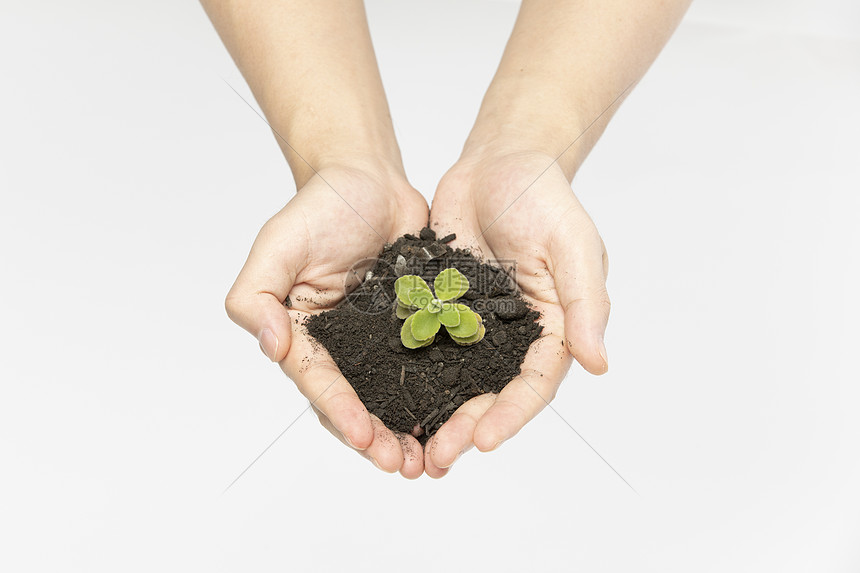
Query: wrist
point(388, 171)
point(349, 136)
point(507, 144)
point(358, 173)
point(517, 117)
point(380, 160)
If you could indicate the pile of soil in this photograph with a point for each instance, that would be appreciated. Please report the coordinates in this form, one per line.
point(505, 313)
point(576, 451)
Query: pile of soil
point(416, 391)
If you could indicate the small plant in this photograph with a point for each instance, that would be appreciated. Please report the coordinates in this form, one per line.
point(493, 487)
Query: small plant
point(425, 314)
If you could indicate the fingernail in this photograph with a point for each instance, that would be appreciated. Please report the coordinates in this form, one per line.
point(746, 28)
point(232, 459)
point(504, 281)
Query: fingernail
point(496, 445)
point(601, 349)
point(374, 462)
point(269, 344)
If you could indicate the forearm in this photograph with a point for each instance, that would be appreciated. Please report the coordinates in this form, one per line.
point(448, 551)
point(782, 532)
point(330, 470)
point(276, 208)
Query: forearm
point(311, 67)
point(566, 63)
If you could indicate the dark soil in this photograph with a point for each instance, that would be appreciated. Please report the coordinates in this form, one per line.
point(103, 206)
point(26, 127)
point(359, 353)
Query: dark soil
point(416, 391)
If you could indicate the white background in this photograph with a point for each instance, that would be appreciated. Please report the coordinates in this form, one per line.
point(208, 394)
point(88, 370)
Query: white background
point(134, 180)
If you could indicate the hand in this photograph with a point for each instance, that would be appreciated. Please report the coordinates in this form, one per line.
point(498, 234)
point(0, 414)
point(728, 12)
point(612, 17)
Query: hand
point(561, 266)
point(304, 252)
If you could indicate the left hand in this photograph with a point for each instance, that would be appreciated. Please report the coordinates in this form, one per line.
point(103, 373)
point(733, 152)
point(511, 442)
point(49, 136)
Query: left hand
point(528, 214)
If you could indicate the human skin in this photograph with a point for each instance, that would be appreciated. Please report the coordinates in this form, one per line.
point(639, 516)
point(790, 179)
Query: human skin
point(310, 64)
point(566, 68)
point(311, 67)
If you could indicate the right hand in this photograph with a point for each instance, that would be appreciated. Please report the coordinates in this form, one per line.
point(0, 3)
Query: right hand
point(341, 216)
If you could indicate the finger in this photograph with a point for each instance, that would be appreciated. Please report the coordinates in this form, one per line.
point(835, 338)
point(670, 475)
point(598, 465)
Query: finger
point(385, 451)
point(579, 269)
point(430, 468)
point(256, 300)
point(456, 435)
point(319, 379)
point(412, 453)
point(527, 394)
point(413, 457)
point(326, 423)
point(333, 396)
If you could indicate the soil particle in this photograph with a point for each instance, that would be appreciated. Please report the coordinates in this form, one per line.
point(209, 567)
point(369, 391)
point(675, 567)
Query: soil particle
point(402, 386)
point(511, 308)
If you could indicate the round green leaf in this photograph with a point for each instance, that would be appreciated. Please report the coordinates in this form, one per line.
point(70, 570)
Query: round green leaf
point(403, 311)
point(477, 337)
point(419, 297)
point(449, 315)
point(468, 324)
point(406, 283)
point(427, 342)
point(450, 284)
point(424, 325)
point(406, 337)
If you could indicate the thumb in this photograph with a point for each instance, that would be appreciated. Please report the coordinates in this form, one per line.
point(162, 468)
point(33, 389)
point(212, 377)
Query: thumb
point(256, 300)
point(580, 269)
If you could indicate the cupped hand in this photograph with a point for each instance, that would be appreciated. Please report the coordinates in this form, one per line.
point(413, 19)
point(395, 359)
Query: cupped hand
point(301, 263)
point(519, 209)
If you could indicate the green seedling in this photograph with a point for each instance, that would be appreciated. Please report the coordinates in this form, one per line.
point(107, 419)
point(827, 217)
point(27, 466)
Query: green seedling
point(425, 313)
